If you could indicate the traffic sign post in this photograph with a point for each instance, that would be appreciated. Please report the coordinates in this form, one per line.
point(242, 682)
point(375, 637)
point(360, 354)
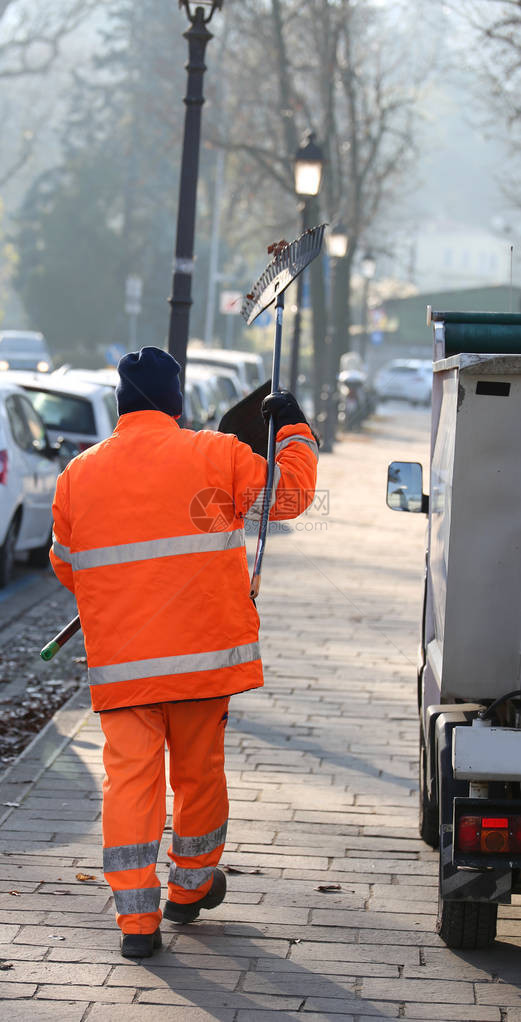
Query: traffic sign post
point(133, 294)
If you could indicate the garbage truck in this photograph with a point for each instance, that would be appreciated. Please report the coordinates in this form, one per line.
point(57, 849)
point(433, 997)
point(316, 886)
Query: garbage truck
point(469, 658)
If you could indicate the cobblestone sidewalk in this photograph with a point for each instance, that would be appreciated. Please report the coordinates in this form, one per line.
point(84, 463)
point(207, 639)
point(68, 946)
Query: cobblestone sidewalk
point(332, 896)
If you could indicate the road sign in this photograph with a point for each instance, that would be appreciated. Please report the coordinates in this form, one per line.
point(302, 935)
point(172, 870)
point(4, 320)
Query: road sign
point(113, 354)
point(230, 303)
point(133, 293)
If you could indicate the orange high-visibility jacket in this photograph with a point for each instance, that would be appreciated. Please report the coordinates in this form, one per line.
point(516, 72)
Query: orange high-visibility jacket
point(149, 536)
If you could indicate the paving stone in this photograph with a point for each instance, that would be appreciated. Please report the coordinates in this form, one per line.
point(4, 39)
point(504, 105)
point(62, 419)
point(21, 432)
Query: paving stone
point(68, 1011)
point(16, 991)
point(141, 1013)
point(56, 972)
point(419, 990)
point(92, 994)
point(333, 1007)
point(179, 979)
point(453, 1013)
point(22, 952)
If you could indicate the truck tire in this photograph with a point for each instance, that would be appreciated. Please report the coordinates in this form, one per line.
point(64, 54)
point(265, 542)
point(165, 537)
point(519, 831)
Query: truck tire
point(428, 819)
point(467, 924)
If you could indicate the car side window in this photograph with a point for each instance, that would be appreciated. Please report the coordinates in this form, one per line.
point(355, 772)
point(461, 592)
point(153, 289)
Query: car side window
point(37, 434)
point(18, 423)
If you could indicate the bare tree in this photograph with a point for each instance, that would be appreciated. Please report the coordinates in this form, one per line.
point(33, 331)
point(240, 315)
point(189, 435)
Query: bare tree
point(344, 69)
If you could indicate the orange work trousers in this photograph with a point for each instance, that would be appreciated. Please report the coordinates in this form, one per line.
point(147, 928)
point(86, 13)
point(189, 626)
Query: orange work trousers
point(134, 804)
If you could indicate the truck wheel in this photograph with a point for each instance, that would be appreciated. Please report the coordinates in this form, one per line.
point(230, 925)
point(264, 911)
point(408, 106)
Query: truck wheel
point(428, 811)
point(467, 924)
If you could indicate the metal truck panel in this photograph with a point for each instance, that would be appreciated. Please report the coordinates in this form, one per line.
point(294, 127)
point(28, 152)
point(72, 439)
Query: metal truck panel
point(486, 753)
point(474, 595)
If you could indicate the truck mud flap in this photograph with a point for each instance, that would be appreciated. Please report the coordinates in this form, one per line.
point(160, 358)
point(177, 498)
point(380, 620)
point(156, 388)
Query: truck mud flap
point(460, 884)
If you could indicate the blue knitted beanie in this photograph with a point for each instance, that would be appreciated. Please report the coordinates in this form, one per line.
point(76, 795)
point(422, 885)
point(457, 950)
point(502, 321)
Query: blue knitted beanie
point(149, 381)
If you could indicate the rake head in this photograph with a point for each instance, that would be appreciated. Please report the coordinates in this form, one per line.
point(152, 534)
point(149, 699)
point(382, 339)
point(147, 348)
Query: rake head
point(289, 261)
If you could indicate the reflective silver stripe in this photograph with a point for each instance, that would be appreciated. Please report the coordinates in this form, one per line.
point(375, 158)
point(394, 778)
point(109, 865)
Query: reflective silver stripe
point(61, 551)
point(256, 508)
point(129, 856)
point(199, 845)
point(312, 444)
point(189, 878)
point(185, 664)
point(142, 899)
point(171, 546)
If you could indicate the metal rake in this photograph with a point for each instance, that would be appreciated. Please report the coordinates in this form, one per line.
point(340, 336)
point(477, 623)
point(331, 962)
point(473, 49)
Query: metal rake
point(288, 262)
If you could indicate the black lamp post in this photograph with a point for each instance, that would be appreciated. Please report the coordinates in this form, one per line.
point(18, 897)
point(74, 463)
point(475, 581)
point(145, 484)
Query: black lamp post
point(368, 272)
point(308, 168)
point(197, 37)
point(336, 243)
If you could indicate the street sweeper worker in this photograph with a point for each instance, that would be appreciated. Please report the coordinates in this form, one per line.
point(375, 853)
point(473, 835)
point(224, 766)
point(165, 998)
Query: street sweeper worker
point(149, 536)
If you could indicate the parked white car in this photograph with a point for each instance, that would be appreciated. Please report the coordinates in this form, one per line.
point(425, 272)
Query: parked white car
point(78, 409)
point(405, 380)
point(29, 467)
point(248, 366)
point(24, 349)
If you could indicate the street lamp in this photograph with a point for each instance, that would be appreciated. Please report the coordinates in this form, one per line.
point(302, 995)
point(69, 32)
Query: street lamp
point(336, 243)
point(368, 268)
point(308, 167)
point(197, 36)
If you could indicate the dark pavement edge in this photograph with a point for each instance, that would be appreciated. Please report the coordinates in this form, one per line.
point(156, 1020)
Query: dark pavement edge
point(20, 776)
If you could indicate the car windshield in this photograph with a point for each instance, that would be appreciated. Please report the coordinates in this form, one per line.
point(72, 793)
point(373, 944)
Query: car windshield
point(64, 411)
point(22, 345)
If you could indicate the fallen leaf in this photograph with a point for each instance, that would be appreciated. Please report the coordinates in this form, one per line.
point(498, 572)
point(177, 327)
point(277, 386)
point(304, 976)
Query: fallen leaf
point(15, 893)
point(235, 869)
point(84, 876)
point(12, 805)
point(328, 887)
point(295, 940)
point(55, 936)
point(4, 966)
point(61, 892)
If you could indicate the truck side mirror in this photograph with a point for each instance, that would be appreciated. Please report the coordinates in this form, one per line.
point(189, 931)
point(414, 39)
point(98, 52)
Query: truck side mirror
point(405, 487)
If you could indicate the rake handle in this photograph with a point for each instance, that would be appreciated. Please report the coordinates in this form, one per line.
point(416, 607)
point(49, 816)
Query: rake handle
point(263, 527)
point(53, 647)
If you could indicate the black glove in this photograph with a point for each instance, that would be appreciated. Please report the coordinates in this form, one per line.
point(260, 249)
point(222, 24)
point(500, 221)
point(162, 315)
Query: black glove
point(284, 408)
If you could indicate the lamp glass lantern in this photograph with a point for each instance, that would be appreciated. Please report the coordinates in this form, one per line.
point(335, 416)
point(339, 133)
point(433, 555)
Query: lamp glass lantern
point(368, 266)
point(337, 242)
point(308, 167)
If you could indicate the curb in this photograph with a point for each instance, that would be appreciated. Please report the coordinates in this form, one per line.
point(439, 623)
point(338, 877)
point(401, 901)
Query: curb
point(16, 782)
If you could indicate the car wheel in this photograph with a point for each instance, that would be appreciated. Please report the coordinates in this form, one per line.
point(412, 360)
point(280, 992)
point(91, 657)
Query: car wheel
point(39, 557)
point(7, 554)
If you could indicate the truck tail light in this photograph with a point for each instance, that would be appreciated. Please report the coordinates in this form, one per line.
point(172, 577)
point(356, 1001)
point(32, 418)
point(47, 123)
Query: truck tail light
point(492, 835)
point(469, 834)
point(3, 467)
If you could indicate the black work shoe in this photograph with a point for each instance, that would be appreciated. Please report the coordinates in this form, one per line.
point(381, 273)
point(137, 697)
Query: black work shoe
point(140, 945)
point(177, 912)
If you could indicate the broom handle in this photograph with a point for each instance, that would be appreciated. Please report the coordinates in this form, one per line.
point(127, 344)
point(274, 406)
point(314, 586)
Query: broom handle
point(263, 527)
point(54, 646)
